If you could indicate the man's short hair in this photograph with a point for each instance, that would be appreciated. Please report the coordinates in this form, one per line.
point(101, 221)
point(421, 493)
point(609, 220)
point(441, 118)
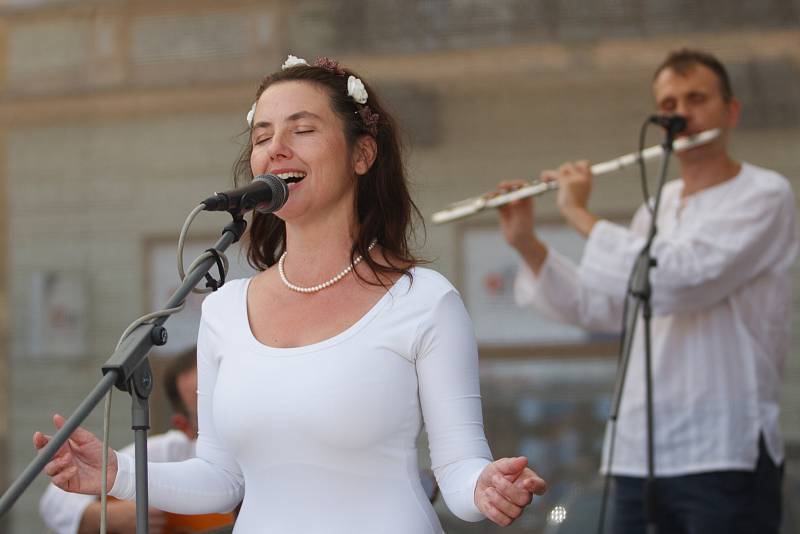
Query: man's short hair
point(685, 59)
point(180, 364)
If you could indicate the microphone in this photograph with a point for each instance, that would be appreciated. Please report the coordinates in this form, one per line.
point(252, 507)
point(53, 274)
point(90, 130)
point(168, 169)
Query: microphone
point(674, 124)
point(266, 193)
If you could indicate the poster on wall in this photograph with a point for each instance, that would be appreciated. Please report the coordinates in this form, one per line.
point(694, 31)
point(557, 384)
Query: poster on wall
point(162, 281)
point(58, 315)
point(488, 269)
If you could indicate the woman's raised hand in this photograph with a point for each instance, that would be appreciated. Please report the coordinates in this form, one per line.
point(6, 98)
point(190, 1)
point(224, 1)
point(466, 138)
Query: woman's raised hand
point(505, 487)
point(77, 465)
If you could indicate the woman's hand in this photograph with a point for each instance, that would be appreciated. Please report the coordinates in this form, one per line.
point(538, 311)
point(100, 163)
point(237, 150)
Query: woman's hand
point(505, 487)
point(77, 465)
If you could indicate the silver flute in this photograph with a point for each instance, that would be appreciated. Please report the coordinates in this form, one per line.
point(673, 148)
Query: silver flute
point(493, 199)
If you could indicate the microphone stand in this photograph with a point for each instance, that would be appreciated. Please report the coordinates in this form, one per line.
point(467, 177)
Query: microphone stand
point(129, 370)
point(640, 290)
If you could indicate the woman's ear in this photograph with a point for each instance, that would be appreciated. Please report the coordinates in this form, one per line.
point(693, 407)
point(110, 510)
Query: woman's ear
point(364, 154)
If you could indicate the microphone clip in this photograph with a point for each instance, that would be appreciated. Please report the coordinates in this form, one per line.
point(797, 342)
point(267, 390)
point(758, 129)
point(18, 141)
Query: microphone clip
point(211, 282)
point(673, 124)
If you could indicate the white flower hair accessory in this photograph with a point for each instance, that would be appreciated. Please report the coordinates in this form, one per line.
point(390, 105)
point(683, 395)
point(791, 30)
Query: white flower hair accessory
point(355, 89)
point(251, 115)
point(293, 61)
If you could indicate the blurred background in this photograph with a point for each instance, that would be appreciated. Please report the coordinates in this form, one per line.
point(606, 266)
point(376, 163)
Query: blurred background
point(117, 117)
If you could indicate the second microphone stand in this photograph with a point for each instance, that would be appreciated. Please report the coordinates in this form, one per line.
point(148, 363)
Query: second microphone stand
point(640, 291)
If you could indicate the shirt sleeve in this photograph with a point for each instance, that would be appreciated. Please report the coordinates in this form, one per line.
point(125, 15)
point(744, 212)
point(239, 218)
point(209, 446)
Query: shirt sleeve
point(559, 294)
point(62, 511)
point(695, 269)
point(211, 482)
point(449, 390)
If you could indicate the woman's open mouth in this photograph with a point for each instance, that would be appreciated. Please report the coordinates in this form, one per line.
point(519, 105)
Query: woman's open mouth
point(291, 177)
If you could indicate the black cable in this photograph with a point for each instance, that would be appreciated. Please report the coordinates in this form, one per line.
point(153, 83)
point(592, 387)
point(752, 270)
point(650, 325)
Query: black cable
point(643, 167)
point(210, 281)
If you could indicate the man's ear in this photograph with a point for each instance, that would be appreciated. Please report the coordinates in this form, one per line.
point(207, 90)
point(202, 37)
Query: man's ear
point(364, 154)
point(734, 111)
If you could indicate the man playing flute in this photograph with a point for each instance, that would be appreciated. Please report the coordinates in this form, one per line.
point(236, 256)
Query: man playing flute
point(721, 299)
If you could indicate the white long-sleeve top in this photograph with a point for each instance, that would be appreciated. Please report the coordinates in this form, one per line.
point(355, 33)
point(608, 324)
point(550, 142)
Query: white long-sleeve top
point(720, 330)
point(62, 511)
point(322, 438)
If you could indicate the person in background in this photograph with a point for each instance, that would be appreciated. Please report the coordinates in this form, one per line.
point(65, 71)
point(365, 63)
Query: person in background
point(73, 513)
point(721, 299)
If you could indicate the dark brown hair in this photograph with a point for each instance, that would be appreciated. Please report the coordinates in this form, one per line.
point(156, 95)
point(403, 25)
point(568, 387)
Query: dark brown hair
point(180, 364)
point(383, 205)
point(685, 59)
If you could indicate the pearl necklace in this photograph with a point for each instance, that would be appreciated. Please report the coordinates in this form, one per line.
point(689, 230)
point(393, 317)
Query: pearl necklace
point(323, 285)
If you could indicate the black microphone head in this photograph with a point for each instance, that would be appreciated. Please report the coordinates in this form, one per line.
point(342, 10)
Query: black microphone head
point(279, 194)
point(673, 123)
point(265, 193)
point(678, 124)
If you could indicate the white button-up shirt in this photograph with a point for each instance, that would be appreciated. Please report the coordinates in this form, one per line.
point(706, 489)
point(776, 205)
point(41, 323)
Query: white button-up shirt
point(720, 328)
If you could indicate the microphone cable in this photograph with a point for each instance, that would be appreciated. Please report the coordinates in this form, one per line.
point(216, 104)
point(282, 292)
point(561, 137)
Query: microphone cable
point(202, 257)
